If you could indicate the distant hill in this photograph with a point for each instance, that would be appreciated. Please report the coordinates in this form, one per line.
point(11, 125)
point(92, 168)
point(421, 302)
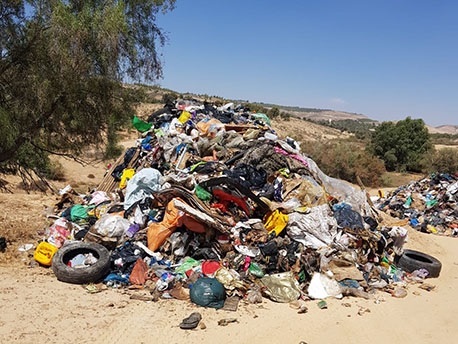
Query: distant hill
point(318, 115)
point(328, 115)
point(444, 129)
point(311, 114)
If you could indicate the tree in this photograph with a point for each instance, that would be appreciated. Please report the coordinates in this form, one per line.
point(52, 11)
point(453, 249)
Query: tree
point(62, 64)
point(401, 145)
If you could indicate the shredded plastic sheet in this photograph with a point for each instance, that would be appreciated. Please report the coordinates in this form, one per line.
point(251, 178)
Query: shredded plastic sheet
point(341, 190)
point(315, 229)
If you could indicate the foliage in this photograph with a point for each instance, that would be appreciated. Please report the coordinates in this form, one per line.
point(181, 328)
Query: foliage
point(169, 98)
point(273, 112)
point(346, 160)
point(292, 108)
point(442, 161)
point(61, 69)
point(401, 145)
point(361, 128)
point(444, 139)
point(286, 116)
point(255, 107)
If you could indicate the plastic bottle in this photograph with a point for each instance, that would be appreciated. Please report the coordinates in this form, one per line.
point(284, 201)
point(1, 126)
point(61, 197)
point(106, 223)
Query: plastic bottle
point(133, 228)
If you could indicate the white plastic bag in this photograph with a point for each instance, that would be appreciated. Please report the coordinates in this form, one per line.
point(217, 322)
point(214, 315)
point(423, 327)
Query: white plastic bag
point(112, 226)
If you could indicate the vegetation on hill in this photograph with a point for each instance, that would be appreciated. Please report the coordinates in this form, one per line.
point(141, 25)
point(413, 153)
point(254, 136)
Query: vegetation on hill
point(361, 128)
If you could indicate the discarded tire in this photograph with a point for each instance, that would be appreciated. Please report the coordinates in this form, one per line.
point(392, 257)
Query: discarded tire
point(81, 275)
point(412, 260)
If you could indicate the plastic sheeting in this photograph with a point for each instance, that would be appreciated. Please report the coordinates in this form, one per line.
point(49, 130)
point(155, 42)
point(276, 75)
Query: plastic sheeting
point(321, 287)
point(281, 287)
point(112, 226)
point(341, 190)
point(315, 229)
point(143, 184)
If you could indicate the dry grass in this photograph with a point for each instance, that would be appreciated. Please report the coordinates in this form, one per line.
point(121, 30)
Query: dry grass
point(395, 179)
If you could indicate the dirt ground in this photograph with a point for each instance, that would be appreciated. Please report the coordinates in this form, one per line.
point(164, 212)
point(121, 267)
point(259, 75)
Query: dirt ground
point(38, 308)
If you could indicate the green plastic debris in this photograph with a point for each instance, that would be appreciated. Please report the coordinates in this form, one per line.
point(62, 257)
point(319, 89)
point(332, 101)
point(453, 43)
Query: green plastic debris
point(255, 270)
point(78, 212)
point(140, 125)
point(322, 304)
point(431, 203)
point(193, 167)
point(262, 117)
point(186, 265)
point(202, 194)
point(408, 202)
point(208, 292)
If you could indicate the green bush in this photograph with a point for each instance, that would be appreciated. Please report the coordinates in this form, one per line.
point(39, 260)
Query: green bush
point(346, 160)
point(401, 145)
point(443, 161)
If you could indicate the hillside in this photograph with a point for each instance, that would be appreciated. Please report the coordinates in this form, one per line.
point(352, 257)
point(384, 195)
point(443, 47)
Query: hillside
point(444, 129)
point(305, 130)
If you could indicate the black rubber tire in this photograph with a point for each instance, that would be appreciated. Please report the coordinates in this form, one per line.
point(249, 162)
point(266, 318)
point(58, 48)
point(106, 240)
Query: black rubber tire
point(90, 274)
point(412, 260)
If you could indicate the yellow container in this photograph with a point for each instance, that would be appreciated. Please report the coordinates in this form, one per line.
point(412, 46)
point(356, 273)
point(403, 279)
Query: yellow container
point(44, 253)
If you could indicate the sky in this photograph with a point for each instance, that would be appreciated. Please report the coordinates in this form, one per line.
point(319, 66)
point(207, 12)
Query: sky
point(387, 59)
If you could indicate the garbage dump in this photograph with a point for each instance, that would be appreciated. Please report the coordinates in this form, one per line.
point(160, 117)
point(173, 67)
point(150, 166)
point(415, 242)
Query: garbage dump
point(429, 204)
point(210, 205)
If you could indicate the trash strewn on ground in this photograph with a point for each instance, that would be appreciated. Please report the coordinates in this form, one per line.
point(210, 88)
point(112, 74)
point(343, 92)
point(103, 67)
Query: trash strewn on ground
point(430, 204)
point(211, 206)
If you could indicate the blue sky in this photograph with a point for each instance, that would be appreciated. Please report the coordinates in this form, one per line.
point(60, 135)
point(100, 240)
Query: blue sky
point(387, 59)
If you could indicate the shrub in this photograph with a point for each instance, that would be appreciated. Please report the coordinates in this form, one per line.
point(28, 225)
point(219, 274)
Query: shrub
point(346, 160)
point(443, 161)
point(55, 171)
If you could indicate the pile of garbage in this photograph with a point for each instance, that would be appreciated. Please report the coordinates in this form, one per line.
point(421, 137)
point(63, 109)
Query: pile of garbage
point(429, 205)
point(211, 204)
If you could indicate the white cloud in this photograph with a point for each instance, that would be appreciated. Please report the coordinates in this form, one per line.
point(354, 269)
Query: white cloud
point(338, 101)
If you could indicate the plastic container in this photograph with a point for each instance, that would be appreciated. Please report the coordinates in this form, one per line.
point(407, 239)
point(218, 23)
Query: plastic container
point(270, 136)
point(44, 253)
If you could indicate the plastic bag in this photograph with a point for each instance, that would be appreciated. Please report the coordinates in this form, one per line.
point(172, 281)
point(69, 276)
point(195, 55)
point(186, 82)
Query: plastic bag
point(140, 125)
point(78, 212)
point(276, 222)
point(282, 287)
point(139, 272)
point(348, 218)
point(173, 218)
point(143, 184)
point(229, 278)
point(321, 287)
point(208, 292)
point(112, 226)
point(315, 229)
point(59, 231)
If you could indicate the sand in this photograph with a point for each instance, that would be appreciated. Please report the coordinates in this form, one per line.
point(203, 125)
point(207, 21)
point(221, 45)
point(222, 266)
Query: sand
point(37, 308)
